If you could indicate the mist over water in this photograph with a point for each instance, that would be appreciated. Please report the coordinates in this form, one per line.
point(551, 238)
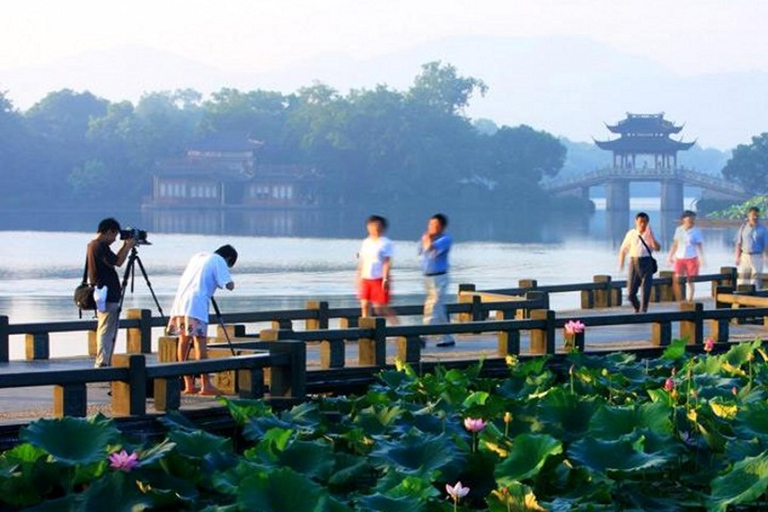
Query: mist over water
point(291, 264)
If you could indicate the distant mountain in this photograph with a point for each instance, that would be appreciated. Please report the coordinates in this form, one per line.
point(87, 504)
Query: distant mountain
point(568, 86)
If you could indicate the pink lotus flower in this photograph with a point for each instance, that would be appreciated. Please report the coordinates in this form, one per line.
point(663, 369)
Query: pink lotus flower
point(709, 344)
point(123, 462)
point(457, 491)
point(474, 424)
point(669, 384)
point(573, 327)
point(735, 391)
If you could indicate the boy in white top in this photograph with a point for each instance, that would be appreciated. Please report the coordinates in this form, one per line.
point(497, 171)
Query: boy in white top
point(686, 254)
point(205, 273)
point(638, 243)
point(374, 270)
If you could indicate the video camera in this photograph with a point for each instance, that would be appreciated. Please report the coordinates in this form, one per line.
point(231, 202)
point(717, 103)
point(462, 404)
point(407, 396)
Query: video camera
point(136, 234)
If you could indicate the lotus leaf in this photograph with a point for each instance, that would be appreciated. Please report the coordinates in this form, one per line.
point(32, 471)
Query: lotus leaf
point(614, 457)
point(613, 422)
point(117, 492)
point(566, 415)
point(312, 459)
point(418, 454)
point(744, 483)
point(283, 490)
point(381, 503)
point(676, 350)
point(526, 458)
point(72, 441)
point(199, 444)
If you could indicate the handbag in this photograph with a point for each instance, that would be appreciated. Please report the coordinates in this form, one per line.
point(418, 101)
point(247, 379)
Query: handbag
point(84, 292)
point(654, 263)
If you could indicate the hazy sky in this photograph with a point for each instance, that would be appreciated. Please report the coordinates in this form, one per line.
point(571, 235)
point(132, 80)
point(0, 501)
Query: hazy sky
point(688, 37)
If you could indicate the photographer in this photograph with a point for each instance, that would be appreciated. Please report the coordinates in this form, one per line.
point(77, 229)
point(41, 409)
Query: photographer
point(205, 273)
point(101, 263)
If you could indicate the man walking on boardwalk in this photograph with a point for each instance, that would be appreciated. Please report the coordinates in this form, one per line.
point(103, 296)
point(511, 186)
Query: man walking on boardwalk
point(101, 263)
point(374, 270)
point(751, 247)
point(434, 248)
point(205, 273)
point(686, 254)
point(639, 242)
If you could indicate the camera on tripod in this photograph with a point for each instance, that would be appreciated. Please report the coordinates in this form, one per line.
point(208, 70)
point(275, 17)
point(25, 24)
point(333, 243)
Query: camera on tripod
point(136, 234)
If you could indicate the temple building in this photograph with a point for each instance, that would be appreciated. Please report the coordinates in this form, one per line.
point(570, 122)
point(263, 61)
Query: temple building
point(224, 171)
point(644, 135)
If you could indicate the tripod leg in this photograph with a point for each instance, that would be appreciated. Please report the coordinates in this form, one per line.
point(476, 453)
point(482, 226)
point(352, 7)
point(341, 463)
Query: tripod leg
point(149, 285)
point(110, 350)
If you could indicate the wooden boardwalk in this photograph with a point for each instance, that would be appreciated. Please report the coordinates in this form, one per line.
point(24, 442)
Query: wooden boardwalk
point(24, 404)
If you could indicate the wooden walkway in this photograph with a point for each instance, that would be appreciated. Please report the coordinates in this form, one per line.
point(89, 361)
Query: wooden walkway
point(24, 404)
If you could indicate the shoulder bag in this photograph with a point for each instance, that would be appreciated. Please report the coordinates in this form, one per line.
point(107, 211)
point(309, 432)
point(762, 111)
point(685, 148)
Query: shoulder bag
point(654, 263)
point(84, 291)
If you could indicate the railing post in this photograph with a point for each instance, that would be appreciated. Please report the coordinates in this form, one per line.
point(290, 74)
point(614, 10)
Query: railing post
point(349, 322)
point(167, 391)
point(587, 299)
point(729, 277)
point(666, 291)
point(130, 398)
point(409, 349)
point(602, 297)
point(693, 330)
point(722, 290)
point(250, 383)
point(719, 330)
point(93, 343)
point(466, 298)
point(579, 341)
point(508, 339)
point(4, 339)
point(543, 340)
point(70, 400)
point(321, 322)
point(37, 346)
point(538, 296)
point(373, 351)
point(234, 331)
point(139, 338)
point(527, 284)
point(289, 381)
point(332, 354)
point(661, 333)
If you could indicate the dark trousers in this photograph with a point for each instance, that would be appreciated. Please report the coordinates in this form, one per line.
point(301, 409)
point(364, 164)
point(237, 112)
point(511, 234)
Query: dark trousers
point(640, 277)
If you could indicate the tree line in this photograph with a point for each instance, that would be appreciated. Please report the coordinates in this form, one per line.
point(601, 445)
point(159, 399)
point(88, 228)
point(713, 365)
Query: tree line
point(372, 147)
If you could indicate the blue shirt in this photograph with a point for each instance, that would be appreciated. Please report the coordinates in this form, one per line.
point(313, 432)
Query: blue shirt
point(435, 259)
point(753, 240)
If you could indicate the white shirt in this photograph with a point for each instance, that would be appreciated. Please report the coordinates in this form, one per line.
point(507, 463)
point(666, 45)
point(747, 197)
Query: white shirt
point(205, 273)
point(633, 245)
point(373, 253)
point(687, 240)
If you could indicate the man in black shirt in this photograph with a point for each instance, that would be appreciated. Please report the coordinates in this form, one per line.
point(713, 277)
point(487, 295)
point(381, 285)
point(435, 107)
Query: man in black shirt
point(101, 272)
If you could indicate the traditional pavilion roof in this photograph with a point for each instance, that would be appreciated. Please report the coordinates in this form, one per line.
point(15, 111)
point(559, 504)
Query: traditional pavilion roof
point(644, 124)
point(644, 145)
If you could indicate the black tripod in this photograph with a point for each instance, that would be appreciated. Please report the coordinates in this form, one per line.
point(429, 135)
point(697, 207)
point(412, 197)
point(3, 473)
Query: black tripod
point(130, 272)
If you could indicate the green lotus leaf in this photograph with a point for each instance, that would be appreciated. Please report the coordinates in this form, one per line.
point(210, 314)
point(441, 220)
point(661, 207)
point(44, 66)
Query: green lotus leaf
point(168, 491)
point(305, 414)
point(739, 449)
point(116, 492)
point(257, 428)
point(752, 422)
point(744, 483)
point(312, 459)
point(156, 453)
point(476, 398)
point(612, 422)
point(526, 458)
point(283, 490)
point(174, 420)
point(72, 441)
point(612, 457)
point(394, 379)
point(69, 503)
point(199, 444)
point(517, 496)
point(244, 410)
point(381, 503)
point(20, 454)
point(349, 471)
point(565, 415)
point(738, 355)
point(418, 454)
point(675, 350)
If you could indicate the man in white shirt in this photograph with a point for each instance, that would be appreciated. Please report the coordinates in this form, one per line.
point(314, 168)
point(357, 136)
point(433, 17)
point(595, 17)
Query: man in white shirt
point(374, 270)
point(686, 254)
point(638, 243)
point(205, 273)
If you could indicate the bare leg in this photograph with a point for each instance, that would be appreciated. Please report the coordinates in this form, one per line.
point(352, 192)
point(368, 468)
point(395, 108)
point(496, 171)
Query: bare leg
point(676, 287)
point(365, 308)
point(182, 353)
point(201, 352)
point(690, 290)
point(387, 312)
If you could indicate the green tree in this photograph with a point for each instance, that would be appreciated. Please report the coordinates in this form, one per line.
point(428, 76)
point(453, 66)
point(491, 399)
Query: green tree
point(92, 180)
point(15, 145)
point(749, 165)
point(441, 87)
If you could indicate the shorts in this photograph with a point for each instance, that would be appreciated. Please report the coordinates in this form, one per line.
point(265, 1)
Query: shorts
point(189, 326)
point(686, 266)
point(373, 291)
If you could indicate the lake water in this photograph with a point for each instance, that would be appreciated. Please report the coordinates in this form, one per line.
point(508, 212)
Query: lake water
point(39, 269)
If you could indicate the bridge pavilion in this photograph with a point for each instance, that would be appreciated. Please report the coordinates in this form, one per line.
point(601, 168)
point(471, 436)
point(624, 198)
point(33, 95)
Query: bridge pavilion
point(645, 135)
